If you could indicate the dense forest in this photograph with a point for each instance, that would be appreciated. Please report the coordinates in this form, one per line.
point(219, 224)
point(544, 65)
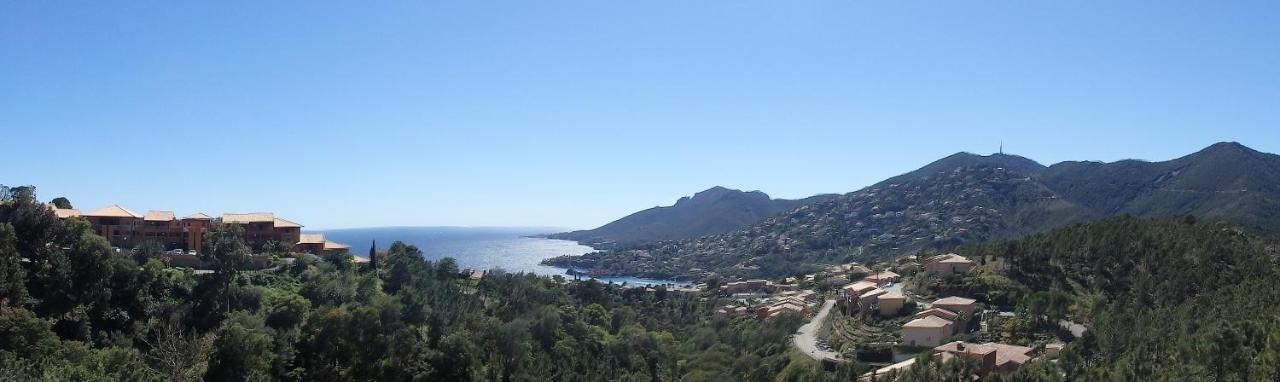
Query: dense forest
point(1170, 299)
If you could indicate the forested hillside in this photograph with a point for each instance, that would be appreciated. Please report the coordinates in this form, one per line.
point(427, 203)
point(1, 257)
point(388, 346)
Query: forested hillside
point(1171, 299)
point(713, 211)
point(967, 198)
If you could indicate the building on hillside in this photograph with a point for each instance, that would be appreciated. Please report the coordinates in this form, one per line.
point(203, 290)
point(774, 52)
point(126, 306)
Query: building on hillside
point(778, 308)
point(852, 291)
point(316, 244)
point(1010, 357)
point(870, 298)
point(891, 303)
point(946, 265)
point(747, 285)
point(991, 357)
point(956, 304)
point(124, 228)
point(63, 213)
point(937, 312)
point(883, 278)
point(118, 225)
point(164, 228)
point(927, 331)
point(194, 226)
point(985, 356)
point(261, 227)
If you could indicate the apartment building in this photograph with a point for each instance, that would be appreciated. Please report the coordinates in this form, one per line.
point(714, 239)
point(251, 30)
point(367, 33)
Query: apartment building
point(124, 228)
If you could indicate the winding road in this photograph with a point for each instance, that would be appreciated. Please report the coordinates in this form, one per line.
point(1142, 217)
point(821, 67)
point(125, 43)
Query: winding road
point(806, 339)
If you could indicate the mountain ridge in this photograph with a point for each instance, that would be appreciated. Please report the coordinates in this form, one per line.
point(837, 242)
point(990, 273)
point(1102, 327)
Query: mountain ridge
point(964, 198)
point(715, 210)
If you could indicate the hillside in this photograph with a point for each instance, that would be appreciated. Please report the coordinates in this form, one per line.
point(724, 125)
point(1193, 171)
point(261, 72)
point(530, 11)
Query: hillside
point(714, 211)
point(965, 198)
point(1185, 300)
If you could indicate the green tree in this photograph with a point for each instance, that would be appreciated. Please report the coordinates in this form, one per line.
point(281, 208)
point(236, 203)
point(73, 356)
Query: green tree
point(149, 249)
point(61, 202)
point(13, 289)
point(242, 350)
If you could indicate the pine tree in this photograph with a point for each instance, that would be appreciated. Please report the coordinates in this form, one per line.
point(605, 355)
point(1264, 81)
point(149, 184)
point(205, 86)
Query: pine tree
point(373, 256)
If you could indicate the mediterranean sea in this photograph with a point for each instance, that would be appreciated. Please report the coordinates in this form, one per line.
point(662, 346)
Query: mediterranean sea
point(479, 248)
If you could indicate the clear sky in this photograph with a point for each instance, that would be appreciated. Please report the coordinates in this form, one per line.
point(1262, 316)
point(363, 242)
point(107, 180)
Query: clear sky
point(571, 114)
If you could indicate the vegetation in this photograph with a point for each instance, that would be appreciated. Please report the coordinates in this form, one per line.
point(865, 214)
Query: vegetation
point(716, 210)
point(966, 199)
point(1171, 299)
point(76, 309)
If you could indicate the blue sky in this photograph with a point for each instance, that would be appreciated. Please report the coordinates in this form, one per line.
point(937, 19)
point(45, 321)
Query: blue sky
point(553, 113)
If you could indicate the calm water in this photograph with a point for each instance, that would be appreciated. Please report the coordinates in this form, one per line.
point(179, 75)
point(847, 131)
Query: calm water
point(477, 248)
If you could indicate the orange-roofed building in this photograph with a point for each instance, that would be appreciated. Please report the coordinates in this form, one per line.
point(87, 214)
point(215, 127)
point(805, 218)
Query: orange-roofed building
point(117, 224)
point(927, 331)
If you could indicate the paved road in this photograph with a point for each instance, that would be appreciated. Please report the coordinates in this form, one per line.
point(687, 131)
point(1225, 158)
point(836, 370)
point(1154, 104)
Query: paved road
point(806, 338)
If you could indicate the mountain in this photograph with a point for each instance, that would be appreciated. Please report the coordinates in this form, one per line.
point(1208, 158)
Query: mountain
point(716, 210)
point(966, 198)
point(1224, 181)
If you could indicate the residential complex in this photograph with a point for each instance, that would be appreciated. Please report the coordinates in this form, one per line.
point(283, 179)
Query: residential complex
point(124, 228)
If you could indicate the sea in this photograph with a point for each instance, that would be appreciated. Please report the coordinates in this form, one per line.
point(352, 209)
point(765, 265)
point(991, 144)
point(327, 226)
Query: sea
point(513, 249)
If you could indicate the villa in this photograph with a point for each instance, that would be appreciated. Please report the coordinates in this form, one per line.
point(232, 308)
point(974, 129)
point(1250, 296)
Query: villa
point(956, 304)
point(927, 331)
point(946, 265)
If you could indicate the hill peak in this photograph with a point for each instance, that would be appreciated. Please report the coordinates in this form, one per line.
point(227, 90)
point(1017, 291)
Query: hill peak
point(1227, 148)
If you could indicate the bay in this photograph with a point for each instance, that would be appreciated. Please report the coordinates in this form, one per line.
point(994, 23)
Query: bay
point(480, 248)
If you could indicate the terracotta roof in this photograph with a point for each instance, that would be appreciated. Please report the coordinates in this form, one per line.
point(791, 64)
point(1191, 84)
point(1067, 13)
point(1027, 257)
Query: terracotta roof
point(1006, 353)
point(113, 211)
point(965, 347)
point(861, 286)
point(63, 213)
point(893, 296)
point(873, 293)
point(939, 312)
point(953, 300)
point(328, 245)
point(158, 216)
point(252, 217)
point(882, 276)
point(954, 258)
point(927, 322)
point(198, 216)
point(311, 238)
point(281, 223)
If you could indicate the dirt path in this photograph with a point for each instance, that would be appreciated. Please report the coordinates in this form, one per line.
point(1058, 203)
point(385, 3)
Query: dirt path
point(806, 338)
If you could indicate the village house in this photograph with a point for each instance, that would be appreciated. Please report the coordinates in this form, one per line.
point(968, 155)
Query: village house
point(854, 290)
point(937, 312)
point(891, 303)
point(946, 265)
point(883, 278)
point(956, 304)
point(984, 356)
point(778, 308)
point(926, 331)
point(746, 285)
point(870, 298)
point(991, 357)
